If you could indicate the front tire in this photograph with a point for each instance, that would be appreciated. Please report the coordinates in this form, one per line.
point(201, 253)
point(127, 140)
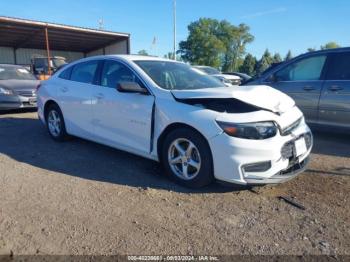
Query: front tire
point(55, 123)
point(187, 158)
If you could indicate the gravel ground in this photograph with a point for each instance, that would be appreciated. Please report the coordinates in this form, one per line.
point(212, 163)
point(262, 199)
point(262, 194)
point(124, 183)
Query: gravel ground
point(82, 198)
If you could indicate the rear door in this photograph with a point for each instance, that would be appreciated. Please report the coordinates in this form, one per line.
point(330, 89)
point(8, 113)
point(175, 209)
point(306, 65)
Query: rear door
point(74, 95)
point(302, 80)
point(335, 97)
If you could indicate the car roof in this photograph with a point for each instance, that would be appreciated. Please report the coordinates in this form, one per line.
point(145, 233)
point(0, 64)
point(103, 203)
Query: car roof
point(332, 50)
point(307, 54)
point(139, 58)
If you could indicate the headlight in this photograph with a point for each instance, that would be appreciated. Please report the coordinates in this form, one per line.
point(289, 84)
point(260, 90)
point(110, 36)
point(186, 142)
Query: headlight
point(257, 131)
point(4, 91)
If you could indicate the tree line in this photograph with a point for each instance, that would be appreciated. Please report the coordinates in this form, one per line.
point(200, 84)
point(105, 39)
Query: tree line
point(222, 45)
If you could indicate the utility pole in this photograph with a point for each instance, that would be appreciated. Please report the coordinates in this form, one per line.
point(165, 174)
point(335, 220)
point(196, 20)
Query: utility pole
point(174, 29)
point(48, 51)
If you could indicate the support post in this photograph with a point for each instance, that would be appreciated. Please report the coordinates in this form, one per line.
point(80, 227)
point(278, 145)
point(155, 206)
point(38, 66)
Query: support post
point(47, 50)
point(15, 55)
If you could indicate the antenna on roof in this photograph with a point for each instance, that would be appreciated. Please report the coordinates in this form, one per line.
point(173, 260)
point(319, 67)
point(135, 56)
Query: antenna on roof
point(100, 24)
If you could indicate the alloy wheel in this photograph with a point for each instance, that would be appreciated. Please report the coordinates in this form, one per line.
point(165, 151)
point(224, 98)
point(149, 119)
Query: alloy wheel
point(54, 123)
point(184, 159)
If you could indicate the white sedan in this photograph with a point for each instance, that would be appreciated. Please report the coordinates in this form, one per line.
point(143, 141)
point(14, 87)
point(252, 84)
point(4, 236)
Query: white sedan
point(199, 129)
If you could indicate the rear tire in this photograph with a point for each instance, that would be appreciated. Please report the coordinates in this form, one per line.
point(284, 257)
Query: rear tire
point(187, 158)
point(55, 123)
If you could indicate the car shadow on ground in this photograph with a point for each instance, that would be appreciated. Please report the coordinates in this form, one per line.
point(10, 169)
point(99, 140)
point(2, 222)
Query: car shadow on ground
point(26, 140)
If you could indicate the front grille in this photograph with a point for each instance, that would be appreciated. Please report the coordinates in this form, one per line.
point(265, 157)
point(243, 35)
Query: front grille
point(288, 150)
point(27, 93)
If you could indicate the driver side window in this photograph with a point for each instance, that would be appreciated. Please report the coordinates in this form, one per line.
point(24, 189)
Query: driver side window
point(114, 73)
point(303, 70)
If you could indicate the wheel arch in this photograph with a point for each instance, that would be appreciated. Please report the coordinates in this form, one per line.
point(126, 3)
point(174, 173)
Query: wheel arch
point(47, 105)
point(174, 126)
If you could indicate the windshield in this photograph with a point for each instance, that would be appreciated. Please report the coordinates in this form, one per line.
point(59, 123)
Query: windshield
point(172, 75)
point(209, 70)
point(17, 73)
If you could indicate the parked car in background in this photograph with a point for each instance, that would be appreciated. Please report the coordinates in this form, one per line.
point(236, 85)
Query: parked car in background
point(198, 128)
point(226, 79)
point(319, 82)
point(17, 87)
point(39, 66)
point(244, 77)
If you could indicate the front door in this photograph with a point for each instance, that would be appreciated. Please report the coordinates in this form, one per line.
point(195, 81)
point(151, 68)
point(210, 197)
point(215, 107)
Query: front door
point(335, 97)
point(302, 80)
point(121, 119)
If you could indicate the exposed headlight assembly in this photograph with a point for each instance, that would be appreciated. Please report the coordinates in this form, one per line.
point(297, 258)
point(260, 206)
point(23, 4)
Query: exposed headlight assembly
point(4, 91)
point(257, 131)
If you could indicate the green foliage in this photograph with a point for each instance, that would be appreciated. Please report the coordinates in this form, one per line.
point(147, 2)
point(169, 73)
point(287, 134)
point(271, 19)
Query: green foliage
point(235, 40)
point(142, 52)
point(277, 58)
point(248, 66)
point(169, 55)
point(289, 56)
point(264, 63)
point(311, 49)
point(330, 45)
point(215, 43)
point(202, 46)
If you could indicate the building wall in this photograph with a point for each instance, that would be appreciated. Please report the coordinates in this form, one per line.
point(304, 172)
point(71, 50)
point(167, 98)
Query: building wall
point(24, 55)
point(113, 49)
point(6, 55)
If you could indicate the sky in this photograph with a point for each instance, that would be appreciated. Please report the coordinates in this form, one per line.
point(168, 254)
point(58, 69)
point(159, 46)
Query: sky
point(276, 25)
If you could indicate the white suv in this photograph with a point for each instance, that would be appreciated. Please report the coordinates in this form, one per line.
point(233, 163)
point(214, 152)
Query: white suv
point(164, 110)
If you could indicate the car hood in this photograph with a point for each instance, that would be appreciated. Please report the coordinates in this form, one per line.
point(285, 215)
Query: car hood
point(261, 96)
point(17, 85)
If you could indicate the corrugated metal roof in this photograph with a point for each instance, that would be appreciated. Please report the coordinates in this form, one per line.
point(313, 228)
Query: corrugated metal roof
point(24, 33)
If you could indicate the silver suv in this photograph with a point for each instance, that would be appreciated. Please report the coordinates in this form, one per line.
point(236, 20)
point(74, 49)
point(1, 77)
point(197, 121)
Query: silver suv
point(319, 82)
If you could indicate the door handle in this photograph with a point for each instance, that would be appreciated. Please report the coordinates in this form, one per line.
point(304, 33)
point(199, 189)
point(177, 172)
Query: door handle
point(335, 88)
point(309, 88)
point(99, 96)
point(64, 89)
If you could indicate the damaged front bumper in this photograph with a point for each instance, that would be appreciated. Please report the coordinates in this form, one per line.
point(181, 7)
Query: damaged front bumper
point(244, 161)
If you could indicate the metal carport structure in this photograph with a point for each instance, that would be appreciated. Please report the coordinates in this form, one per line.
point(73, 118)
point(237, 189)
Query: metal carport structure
point(20, 39)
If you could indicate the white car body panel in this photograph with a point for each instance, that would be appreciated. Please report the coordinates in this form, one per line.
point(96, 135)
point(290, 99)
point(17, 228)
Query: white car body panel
point(124, 120)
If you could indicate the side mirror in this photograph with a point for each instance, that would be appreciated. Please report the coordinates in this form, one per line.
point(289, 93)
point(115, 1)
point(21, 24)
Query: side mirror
point(131, 87)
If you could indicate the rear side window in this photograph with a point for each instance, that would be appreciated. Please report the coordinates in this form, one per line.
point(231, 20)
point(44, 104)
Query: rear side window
point(84, 72)
point(303, 70)
point(66, 73)
point(339, 67)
